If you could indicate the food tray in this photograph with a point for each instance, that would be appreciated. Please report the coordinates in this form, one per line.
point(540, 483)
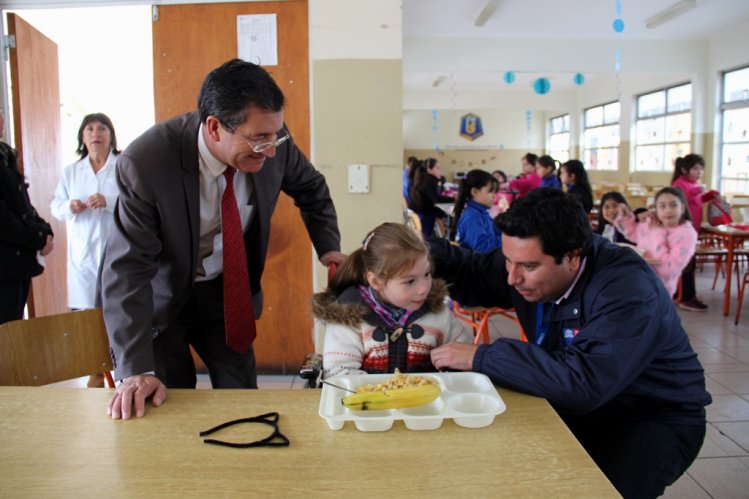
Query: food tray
point(469, 399)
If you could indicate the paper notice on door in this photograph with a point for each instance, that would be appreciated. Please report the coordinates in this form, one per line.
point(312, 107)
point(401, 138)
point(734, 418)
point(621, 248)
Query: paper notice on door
point(257, 39)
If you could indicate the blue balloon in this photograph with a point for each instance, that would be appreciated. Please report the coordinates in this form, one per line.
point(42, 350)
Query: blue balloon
point(509, 77)
point(618, 25)
point(542, 86)
point(579, 78)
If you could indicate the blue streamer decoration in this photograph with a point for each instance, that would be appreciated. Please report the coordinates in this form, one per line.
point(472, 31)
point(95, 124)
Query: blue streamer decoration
point(619, 8)
point(542, 86)
point(618, 25)
point(579, 78)
point(435, 146)
point(509, 77)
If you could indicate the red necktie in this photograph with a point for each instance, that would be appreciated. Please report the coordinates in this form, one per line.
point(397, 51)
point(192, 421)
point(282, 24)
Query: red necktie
point(239, 314)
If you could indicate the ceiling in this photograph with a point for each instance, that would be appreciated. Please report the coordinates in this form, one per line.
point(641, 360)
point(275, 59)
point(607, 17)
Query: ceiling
point(536, 20)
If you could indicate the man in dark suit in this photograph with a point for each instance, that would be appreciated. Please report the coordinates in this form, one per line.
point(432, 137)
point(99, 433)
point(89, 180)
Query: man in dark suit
point(23, 234)
point(162, 275)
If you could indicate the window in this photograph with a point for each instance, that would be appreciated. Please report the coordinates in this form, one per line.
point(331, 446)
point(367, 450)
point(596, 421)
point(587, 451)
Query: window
point(734, 152)
point(664, 128)
point(559, 138)
point(601, 137)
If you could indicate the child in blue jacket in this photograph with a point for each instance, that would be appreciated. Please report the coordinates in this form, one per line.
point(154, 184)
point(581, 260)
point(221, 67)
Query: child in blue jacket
point(472, 225)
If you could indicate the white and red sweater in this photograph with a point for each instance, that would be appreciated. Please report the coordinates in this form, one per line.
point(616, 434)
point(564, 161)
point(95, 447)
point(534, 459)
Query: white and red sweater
point(358, 341)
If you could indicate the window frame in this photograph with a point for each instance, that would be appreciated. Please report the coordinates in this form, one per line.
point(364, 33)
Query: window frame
point(603, 124)
point(561, 155)
point(665, 144)
point(723, 107)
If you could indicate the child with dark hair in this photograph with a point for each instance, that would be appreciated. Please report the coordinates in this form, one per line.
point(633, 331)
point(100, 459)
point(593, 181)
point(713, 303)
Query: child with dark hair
point(527, 180)
point(382, 309)
point(425, 195)
point(545, 168)
point(688, 172)
point(472, 224)
point(607, 212)
point(573, 176)
point(666, 236)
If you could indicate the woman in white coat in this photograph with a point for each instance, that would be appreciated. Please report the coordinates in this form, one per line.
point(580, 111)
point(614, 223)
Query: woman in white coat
point(85, 198)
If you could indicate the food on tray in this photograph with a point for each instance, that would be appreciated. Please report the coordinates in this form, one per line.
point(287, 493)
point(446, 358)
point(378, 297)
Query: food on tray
point(399, 391)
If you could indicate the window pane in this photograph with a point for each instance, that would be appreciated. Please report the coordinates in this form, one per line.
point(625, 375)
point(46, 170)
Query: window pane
point(561, 155)
point(566, 125)
point(736, 85)
point(650, 131)
point(736, 160)
point(651, 104)
point(674, 151)
point(559, 141)
point(680, 98)
point(594, 117)
point(736, 125)
point(679, 127)
point(649, 158)
point(611, 113)
point(602, 159)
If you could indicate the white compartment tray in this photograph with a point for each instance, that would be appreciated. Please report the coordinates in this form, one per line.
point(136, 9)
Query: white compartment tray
point(470, 399)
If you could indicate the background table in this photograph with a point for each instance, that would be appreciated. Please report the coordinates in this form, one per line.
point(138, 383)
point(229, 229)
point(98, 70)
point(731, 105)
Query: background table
point(59, 442)
point(732, 238)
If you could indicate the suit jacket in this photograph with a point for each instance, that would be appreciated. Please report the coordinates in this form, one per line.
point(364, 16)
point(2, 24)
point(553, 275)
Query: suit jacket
point(22, 231)
point(152, 253)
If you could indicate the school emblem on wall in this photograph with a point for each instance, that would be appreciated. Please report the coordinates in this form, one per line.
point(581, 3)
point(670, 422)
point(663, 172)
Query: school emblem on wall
point(470, 127)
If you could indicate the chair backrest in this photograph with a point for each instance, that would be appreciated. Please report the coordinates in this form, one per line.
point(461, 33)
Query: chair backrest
point(53, 348)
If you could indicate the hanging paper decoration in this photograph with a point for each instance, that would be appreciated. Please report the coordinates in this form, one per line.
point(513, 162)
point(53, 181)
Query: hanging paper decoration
point(435, 146)
point(528, 117)
point(542, 86)
point(509, 77)
point(579, 78)
point(618, 28)
point(618, 25)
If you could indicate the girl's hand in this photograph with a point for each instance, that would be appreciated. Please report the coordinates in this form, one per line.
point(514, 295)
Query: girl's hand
point(623, 212)
point(653, 219)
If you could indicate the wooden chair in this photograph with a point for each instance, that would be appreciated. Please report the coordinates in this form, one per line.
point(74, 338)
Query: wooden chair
point(742, 289)
point(414, 221)
point(45, 350)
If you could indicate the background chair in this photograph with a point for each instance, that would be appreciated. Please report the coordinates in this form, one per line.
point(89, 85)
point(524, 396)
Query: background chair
point(53, 348)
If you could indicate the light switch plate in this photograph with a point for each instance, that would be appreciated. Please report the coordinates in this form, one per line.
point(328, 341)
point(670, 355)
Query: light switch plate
point(358, 178)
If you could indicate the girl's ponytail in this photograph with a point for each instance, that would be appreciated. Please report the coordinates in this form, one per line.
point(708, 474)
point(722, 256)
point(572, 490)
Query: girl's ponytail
point(460, 201)
point(350, 273)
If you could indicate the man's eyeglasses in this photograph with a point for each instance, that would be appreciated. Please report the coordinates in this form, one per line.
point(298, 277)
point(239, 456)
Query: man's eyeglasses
point(262, 146)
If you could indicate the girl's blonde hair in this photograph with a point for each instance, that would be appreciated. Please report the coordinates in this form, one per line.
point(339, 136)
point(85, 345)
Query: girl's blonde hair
point(387, 251)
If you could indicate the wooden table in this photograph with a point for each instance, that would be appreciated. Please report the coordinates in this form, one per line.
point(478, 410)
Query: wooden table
point(732, 238)
point(58, 442)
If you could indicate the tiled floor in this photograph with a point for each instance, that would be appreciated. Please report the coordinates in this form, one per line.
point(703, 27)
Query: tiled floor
point(722, 467)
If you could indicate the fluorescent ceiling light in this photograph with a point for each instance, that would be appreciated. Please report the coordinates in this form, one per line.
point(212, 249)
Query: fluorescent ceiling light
point(485, 12)
point(670, 13)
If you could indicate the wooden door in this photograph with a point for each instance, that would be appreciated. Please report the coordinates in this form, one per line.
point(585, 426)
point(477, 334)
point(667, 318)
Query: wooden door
point(188, 42)
point(36, 121)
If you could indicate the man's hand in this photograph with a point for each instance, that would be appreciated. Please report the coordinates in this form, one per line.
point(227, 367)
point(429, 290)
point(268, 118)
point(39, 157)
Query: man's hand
point(77, 206)
point(333, 257)
point(135, 390)
point(96, 201)
point(454, 356)
point(48, 246)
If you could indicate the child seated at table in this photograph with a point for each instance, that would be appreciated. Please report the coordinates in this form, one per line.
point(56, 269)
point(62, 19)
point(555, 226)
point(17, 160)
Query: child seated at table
point(472, 224)
point(382, 310)
point(666, 236)
point(546, 167)
point(607, 211)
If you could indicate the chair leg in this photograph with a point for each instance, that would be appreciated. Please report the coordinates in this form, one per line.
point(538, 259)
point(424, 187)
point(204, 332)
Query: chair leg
point(741, 298)
point(110, 380)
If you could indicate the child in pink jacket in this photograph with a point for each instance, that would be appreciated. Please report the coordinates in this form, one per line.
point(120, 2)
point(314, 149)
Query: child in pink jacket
point(667, 236)
point(688, 172)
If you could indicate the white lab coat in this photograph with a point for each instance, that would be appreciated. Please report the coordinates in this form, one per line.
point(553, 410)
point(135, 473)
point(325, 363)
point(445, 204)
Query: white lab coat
point(87, 230)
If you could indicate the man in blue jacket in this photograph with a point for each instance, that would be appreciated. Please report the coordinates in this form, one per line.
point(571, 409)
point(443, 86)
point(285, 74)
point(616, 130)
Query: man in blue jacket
point(605, 345)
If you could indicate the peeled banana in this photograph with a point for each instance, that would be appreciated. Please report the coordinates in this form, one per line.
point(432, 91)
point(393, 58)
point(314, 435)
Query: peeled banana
point(398, 392)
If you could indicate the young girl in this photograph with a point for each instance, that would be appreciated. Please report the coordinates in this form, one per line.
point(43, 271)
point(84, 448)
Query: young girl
point(383, 310)
point(572, 174)
point(545, 167)
point(472, 223)
point(425, 195)
point(607, 211)
point(527, 180)
point(667, 236)
point(687, 175)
